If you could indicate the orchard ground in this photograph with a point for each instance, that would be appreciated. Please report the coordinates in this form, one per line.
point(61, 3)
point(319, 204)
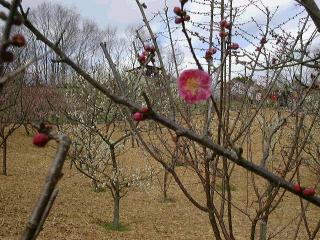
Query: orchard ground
point(79, 213)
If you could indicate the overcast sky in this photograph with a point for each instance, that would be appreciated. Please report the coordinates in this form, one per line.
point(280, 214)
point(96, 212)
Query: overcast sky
point(122, 13)
point(115, 12)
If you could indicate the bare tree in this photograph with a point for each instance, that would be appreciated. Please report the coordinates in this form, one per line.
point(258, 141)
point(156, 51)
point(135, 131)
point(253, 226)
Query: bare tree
point(213, 142)
point(99, 148)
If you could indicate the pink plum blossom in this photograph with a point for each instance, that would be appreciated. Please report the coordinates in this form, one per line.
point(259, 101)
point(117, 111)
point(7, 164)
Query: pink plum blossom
point(194, 85)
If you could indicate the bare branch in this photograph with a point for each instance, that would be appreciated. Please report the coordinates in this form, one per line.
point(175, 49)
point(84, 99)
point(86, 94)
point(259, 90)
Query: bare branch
point(46, 197)
point(313, 10)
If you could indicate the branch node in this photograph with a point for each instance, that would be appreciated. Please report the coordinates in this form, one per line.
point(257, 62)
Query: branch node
point(147, 100)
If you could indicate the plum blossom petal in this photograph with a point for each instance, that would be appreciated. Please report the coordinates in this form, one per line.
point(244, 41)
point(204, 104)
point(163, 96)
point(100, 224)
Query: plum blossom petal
point(194, 85)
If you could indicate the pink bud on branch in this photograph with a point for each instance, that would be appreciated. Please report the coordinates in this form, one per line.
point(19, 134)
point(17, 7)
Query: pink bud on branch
point(263, 41)
point(18, 40)
point(309, 192)
point(138, 116)
point(40, 139)
point(223, 34)
point(225, 24)
point(144, 110)
point(177, 11)
point(234, 46)
point(297, 188)
point(142, 59)
point(178, 20)
point(186, 18)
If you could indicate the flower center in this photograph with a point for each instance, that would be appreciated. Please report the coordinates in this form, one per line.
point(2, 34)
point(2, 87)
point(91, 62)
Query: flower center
point(192, 84)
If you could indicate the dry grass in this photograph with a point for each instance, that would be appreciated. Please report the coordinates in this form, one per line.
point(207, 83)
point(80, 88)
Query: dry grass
point(79, 213)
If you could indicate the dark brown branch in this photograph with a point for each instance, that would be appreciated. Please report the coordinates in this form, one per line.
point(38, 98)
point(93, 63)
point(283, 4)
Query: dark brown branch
point(7, 29)
point(46, 212)
point(154, 41)
point(54, 174)
point(313, 10)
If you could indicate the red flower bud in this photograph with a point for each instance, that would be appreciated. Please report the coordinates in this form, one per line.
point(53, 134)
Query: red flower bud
point(274, 97)
point(212, 50)
point(177, 11)
point(18, 40)
point(142, 58)
point(223, 23)
point(40, 139)
point(227, 25)
point(7, 56)
point(146, 47)
point(186, 18)
point(297, 188)
point(223, 34)
point(149, 48)
point(209, 53)
point(138, 116)
point(309, 192)
point(144, 110)
point(208, 58)
point(234, 46)
point(178, 20)
point(263, 40)
point(152, 49)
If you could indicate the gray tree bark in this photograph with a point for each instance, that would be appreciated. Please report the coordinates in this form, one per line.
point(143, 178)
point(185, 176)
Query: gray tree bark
point(116, 209)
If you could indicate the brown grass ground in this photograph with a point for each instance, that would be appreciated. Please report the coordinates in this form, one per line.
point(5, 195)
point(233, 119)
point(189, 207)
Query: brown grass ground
point(78, 211)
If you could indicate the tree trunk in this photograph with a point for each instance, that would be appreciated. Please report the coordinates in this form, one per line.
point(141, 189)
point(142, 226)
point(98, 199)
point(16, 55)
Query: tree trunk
point(210, 204)
point(263, 229)
point(4, 157)
point(265, 218)
point(214, 226)
point(165, 184)
point(116, 209)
